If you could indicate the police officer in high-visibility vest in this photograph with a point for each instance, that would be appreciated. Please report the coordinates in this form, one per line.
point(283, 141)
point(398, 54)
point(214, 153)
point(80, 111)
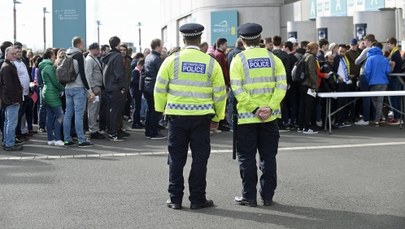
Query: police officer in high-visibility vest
point(190, 90)
point(258, 79)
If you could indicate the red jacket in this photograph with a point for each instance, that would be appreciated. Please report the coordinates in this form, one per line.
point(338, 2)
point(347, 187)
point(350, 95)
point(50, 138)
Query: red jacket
point(220, 56)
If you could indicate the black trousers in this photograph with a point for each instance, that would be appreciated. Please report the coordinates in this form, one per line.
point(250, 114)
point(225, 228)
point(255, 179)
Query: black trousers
point(103, 112)
point(264, 138)
point(115, 101)
point(152, 117)
point(25, 108)
point(306, 109)
point(136, 117)
point(185, 131)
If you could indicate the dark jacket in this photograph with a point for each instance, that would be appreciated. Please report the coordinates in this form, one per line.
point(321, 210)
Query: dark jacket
point(152, 65)
point(219, 55)
point(113, 73)
point(310, 67)
point(10, 85)
point(286, 62)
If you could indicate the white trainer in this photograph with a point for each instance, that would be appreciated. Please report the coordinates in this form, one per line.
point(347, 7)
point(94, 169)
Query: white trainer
point(51, 143)
point(59, 143)
point(361, 122)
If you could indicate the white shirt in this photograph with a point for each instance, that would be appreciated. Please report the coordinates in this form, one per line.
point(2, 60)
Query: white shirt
point(23, 75)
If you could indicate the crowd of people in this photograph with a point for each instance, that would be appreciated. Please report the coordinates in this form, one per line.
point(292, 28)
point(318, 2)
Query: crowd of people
point(114, 86)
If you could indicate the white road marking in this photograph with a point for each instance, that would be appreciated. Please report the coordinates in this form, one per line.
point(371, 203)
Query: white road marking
point(116, 154)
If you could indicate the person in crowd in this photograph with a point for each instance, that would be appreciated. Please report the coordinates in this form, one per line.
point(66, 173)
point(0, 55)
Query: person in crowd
point(146, 52)
point(126, 109)
point(323, 47)
point(394, 83)
point(11, 98)
point(94, 75)
point(104, 50)
point(192, 96)
point(136, 94)
point(293, 91)
point(152, 65)
point(204, 47)
point(115, 87)
point(77, 93)
point(51, 98)
point(369, 40)
point(376, 70)
point(257, 114)
point(307, 91)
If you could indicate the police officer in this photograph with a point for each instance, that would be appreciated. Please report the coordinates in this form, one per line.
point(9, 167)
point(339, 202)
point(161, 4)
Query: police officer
point(190, 90)
point(258, 79)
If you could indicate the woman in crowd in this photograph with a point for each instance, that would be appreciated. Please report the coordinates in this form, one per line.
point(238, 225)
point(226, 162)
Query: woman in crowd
point(51, 91)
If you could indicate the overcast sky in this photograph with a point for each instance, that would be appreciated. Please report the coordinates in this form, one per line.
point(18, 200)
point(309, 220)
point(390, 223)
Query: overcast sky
point(118, 17)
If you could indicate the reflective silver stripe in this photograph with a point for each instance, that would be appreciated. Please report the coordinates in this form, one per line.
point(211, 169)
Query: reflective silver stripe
point(190, 94)
point(211, 67)
point(261, 79)
point(218, 89)
point(160, 90)
point(162, 81)
point(245, 67)
point(238, 91)
point(236, 82)
point(189, 107)
point(258, 91)
point(191, 83)
point(219, 99)
point(247, 115)
point(281, 78)
point(176, 65)
point(273, 66)
point(282, 87)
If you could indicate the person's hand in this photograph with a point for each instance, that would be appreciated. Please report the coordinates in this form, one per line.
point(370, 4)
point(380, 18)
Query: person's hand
point(263, 113)
point(340, 79)
point(214, 125)
point(91, 97)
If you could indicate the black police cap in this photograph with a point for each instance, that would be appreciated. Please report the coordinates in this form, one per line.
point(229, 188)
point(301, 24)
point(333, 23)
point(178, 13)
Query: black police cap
point(250, 31)
point(191, 29)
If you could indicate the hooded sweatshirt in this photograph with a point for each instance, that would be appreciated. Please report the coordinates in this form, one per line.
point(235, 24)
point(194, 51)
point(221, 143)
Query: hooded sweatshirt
point(81, 80)
point(377, 67)
point(113, 73)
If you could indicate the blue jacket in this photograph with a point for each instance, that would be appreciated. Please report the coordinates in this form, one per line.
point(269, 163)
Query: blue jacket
point(377, 67)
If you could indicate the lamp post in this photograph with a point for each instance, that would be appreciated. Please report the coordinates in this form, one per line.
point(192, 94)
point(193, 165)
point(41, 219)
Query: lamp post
point(15, 20)
point(98, 31)
point(139, 25)
point(45, 12)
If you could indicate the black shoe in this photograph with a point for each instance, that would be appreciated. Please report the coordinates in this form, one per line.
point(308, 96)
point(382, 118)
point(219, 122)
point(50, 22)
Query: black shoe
point(71, 143)
point(97, 135)
point(13, 148)
point(242, 201)
point(223, 128)
point(137, 126)
point(85, 144)
point(122, 134)
point(115, 138)
point(206, 204)
point(172, 205)
point(267, 202)
point(158, 136)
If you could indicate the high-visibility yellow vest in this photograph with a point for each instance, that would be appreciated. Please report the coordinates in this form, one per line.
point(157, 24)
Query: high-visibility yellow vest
point(190, 82)
point(258, 79)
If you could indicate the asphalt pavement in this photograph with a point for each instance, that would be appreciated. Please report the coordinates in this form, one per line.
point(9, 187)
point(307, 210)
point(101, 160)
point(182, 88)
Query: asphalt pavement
point(354, 178)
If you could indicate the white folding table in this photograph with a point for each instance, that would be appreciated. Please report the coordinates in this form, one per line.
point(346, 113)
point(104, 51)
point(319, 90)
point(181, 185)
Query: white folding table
point(356, 95)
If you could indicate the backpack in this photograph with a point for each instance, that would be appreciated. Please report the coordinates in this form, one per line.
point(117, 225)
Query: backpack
point(65, 71)
point(298, 73)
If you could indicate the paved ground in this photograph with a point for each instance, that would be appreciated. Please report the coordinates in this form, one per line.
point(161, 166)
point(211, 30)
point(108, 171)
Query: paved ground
point(354, 178)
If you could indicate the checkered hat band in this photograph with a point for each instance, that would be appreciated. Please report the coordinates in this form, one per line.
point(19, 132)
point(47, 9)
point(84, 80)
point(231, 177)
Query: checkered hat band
point(189, 106)
point(250, 38)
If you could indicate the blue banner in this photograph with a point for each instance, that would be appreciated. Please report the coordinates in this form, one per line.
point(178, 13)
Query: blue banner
point(374, 4)
point(223, 25)
point(69, 20)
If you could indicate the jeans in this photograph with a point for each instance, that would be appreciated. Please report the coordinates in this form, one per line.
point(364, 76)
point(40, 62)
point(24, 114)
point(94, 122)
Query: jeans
point(229, 109)
point(378, 101)
point(93, 109)
point(54, 117)
point(75, 102)
point(10, 123)
point(365, 100)
point(395, 85)
point(136, 116)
